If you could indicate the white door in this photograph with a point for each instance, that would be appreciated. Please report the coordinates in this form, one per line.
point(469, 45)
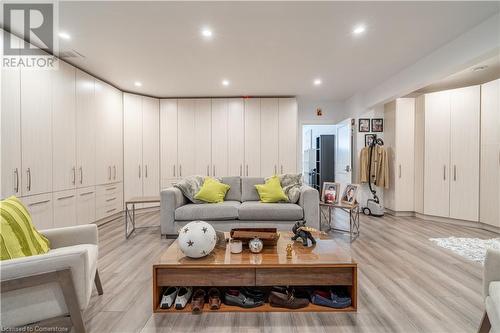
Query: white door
point(236, 136)
point(186, 137)
point(490, 154)
point(168, 142)
point(220, 127)
point(269, 132)
point(64, 128)
point(252, 137)
point(437, 154)
point(343, 153)
point(464, 162)
point(40, 209)
point(85, 129)
point(36, 130)
point(64, 208)
point(203, 136)
point(151, 146)
point(287, 135)
point(132, 127)
point(103, 170)
point(405, 149)
point(85, 205)
point(11, 130)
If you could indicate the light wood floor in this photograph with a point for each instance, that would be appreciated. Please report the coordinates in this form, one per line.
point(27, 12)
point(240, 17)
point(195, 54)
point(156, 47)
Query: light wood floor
point(406, 284)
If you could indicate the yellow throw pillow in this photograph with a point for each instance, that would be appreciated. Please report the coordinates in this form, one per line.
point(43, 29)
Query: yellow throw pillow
point(18, 236)
point(271, 191)
point(212, 191)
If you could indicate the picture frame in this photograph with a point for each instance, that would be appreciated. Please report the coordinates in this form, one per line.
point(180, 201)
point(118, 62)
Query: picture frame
point(364, 125)
point(349, 194)
point(377, 124)
point(369, 138)
point(330, 193)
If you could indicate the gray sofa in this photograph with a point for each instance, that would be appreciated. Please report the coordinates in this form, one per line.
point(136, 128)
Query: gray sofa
point(241, 208)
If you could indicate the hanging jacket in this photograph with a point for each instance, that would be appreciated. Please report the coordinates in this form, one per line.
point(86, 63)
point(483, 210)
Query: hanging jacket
point(379, 168)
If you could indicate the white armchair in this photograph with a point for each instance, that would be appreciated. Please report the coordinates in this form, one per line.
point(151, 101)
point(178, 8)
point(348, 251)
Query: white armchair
point(491, 290)
point(52, 289)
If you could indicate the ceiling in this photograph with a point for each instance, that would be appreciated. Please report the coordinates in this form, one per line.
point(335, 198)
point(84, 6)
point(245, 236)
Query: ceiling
point(262, 48)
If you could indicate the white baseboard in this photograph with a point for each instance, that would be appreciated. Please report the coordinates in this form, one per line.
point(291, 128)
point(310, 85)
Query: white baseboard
point(464, 223)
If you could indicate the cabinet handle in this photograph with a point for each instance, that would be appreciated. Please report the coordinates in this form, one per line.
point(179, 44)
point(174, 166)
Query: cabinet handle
point(282, 169)
point(28, 173)
point(180, 170)
point(444, 172)
point(146, 171)
point(214, 169)
point(86, 193)
point(74, 175)
point(208, 170)
point(16, 188)
point(247, 170)
point(39, 203)
point(109, 172)
point(139, 171)
point(110, 199)
point(111, 210)
point(399, 171)
point(81, 175)
point(241, 170)
point(454, 173)
point(66, 197)
point(114, 171)
point(275, 170)
point(174, 170)
point(111, 188)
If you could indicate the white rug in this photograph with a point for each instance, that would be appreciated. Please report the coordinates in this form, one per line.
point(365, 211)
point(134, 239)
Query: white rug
point(470, 248)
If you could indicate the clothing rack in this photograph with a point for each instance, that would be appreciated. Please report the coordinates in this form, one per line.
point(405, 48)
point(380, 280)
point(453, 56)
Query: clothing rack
point(376, 142)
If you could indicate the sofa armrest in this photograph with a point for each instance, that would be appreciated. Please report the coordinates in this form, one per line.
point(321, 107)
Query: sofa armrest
point(491, 269)
point(69, 236)
point(170, 199)
point(309, 201)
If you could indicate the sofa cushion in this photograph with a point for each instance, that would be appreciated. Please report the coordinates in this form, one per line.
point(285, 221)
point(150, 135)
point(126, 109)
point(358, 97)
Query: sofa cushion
point(248, 190)
point(493, 305)
point(234, 193)
point(260, 211)
point(227, 210)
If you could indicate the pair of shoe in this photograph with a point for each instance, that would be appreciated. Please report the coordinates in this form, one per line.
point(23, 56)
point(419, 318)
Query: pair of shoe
point(198, 301)
point(336, 297)
point(245, 297)
point(176, 295)
point(289, 298)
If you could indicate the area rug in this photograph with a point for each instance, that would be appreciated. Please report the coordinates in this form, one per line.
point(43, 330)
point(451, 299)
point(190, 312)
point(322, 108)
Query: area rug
point(470, 248)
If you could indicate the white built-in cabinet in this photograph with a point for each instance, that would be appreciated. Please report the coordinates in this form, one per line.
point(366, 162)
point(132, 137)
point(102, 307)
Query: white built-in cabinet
point(186, 141)
point(235, 137)
point(141, 146)
point(399, 141)
point(85, 205)
point(451, 162)
point(490, 154)
point(65, 208)
point(269, 136)
point(168, 142)
point(41, 210)
point(287, 148)
point(252, 137)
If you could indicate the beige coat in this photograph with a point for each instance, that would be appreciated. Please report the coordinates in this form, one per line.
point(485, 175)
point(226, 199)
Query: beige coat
point(380, 166)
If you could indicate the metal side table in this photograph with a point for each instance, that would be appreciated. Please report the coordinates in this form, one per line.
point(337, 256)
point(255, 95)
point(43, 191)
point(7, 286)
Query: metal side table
point(130, 213)
point(326, 210)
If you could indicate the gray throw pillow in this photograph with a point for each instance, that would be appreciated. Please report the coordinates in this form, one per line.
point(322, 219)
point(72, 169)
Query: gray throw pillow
point(291, 184)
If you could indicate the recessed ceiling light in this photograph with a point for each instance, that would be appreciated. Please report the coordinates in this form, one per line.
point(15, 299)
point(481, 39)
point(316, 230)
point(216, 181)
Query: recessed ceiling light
point(479, 68)
point(138, 84)
point(207, 33)
point(64, 35)
point(359, 29)
point(317, 82)
point(225, 82)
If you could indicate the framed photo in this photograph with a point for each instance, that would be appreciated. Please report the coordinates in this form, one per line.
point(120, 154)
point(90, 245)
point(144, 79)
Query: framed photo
point(369, 138)
point(364, 125)
point(349, 195)
point(378, 125)
point(330, 193)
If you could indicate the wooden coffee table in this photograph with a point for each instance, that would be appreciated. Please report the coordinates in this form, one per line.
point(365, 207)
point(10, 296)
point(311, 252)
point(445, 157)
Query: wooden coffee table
point(325, 264)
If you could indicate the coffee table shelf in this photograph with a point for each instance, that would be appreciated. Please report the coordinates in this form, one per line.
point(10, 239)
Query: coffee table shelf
point(325, 264)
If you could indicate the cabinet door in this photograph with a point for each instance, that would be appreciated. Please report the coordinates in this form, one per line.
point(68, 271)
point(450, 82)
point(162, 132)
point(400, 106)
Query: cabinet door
point(252, 137)
point(11, 130)
point(103, 170)
point(220, 129)
point(65, 208)
point(168, 142)
point(203, 136)
point(85, 129)
point(40, 209)
point(269, 132)
point(64, 128)
point(186, 137)
point(437, 154)
point(85, 205)
point(36, 130)
point(391, 148)
point(405, 154)
point(116, 132)
point(132, 126)
point(490, 154)
point(236, 137)
point(288, 113)
point(151, 146)
point(465, 122)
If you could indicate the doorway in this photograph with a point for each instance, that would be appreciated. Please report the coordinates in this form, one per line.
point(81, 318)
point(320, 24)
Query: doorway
point(318, 154)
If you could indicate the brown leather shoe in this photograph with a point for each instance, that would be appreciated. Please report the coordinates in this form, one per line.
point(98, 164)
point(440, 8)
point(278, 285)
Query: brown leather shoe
point(214, 299)
point(198, 301)
point(288, 300)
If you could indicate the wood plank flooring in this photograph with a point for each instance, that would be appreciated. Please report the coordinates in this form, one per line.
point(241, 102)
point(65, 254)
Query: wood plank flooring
point(406, 284)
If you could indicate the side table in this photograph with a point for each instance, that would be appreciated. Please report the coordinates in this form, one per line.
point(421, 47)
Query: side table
point(326, 210)
point(130, 213)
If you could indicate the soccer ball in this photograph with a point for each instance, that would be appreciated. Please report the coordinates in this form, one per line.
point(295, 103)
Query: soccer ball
point(197, 239)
